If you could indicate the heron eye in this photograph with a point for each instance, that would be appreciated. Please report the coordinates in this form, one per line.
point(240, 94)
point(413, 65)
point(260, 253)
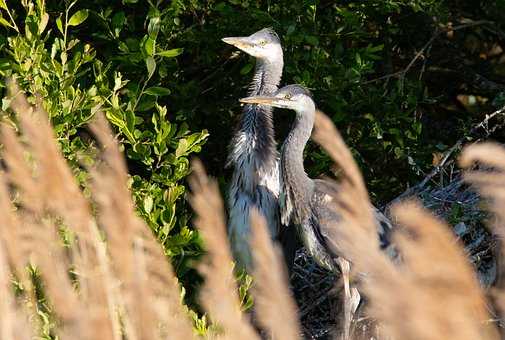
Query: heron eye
point(262, 42)
point(287, 96)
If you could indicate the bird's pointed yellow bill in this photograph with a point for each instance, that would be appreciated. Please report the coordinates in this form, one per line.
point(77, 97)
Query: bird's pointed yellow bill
point(258, 100)
point(239, 42)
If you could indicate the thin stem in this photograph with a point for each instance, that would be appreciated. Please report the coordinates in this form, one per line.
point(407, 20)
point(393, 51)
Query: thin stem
point(12, 19)
point(65, 29)
point(438, 33)
point(445, 157)
point(141, 94)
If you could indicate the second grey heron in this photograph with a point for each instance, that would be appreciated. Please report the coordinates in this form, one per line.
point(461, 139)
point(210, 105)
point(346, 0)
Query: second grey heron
point(304, 201)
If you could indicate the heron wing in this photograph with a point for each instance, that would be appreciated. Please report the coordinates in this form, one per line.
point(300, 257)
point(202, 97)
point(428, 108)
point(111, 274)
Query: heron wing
point(326, 191)
point(326, 215)
point(286, 206)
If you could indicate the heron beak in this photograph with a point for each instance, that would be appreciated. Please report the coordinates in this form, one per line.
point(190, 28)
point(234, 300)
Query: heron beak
point(263, 100)
point(239, 42)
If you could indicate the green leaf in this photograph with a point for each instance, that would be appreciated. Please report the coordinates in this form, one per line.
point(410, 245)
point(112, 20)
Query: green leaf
point(148, 44)
point(358, 58)
point(118, 21)
point(182, 147)
point(170, 53)
point(43, 22)
point(5, 22)
point(130, 123)
point(5, 64)
point(157, 91)
point(246, 69)
point(154, 27)
point(115, 118)
point(78, 18)
point(5, 103)
point(63, 57)
point(59, 24)
point(3, 5)
point(151, 66)
point(31, 26)
point(148, 204)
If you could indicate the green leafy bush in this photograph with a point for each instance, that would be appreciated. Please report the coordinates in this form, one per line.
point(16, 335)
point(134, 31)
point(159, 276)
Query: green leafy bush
point(48, 59)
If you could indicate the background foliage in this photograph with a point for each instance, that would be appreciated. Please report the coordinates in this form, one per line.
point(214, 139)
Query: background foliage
point(402, 79)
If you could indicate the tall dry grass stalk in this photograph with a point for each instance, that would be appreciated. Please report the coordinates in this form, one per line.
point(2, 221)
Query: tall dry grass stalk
point(490, 181)
point(219, 294)
point(350, 194)
point(46, 187)
point(274, 305)
point(150, 289)
point(433, 293)
point(275, 309)
point(438, 274)
point(124, 286)
point(14, 323)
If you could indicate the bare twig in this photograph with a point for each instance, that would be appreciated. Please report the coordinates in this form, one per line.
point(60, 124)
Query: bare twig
point(447, 155)
point(418, 55)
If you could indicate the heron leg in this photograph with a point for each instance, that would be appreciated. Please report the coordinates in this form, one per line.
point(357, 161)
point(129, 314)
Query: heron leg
point(351, 297)
point(355, 300)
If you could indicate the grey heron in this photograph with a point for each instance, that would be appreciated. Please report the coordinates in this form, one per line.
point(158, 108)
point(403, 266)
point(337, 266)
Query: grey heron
point(253, 150)
point(305, 202)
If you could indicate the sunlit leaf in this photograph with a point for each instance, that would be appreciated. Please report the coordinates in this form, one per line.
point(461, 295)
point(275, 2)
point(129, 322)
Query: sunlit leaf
point(78, 17)
point(43, 22)
point(182, 147)
point(148, 44)
point(59, 24)
point(148, 204)
point(5, 22)
point(151, 66)
point(170, 53)
point(118, 21)
point(154, 27)
point(157, 91)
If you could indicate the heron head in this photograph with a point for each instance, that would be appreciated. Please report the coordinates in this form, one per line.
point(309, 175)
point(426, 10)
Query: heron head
point(293, 97)
point(264, 44)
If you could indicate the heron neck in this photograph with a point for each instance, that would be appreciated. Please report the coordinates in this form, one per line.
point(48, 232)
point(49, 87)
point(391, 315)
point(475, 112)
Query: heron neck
point(293, 171)
point(256, 125)
point(267, 76)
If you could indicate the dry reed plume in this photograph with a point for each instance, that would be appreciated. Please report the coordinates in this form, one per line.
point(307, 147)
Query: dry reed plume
point(490, 182)
point(275, 308)
point(433, 293)
point(122, 286)
point(219, 294)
